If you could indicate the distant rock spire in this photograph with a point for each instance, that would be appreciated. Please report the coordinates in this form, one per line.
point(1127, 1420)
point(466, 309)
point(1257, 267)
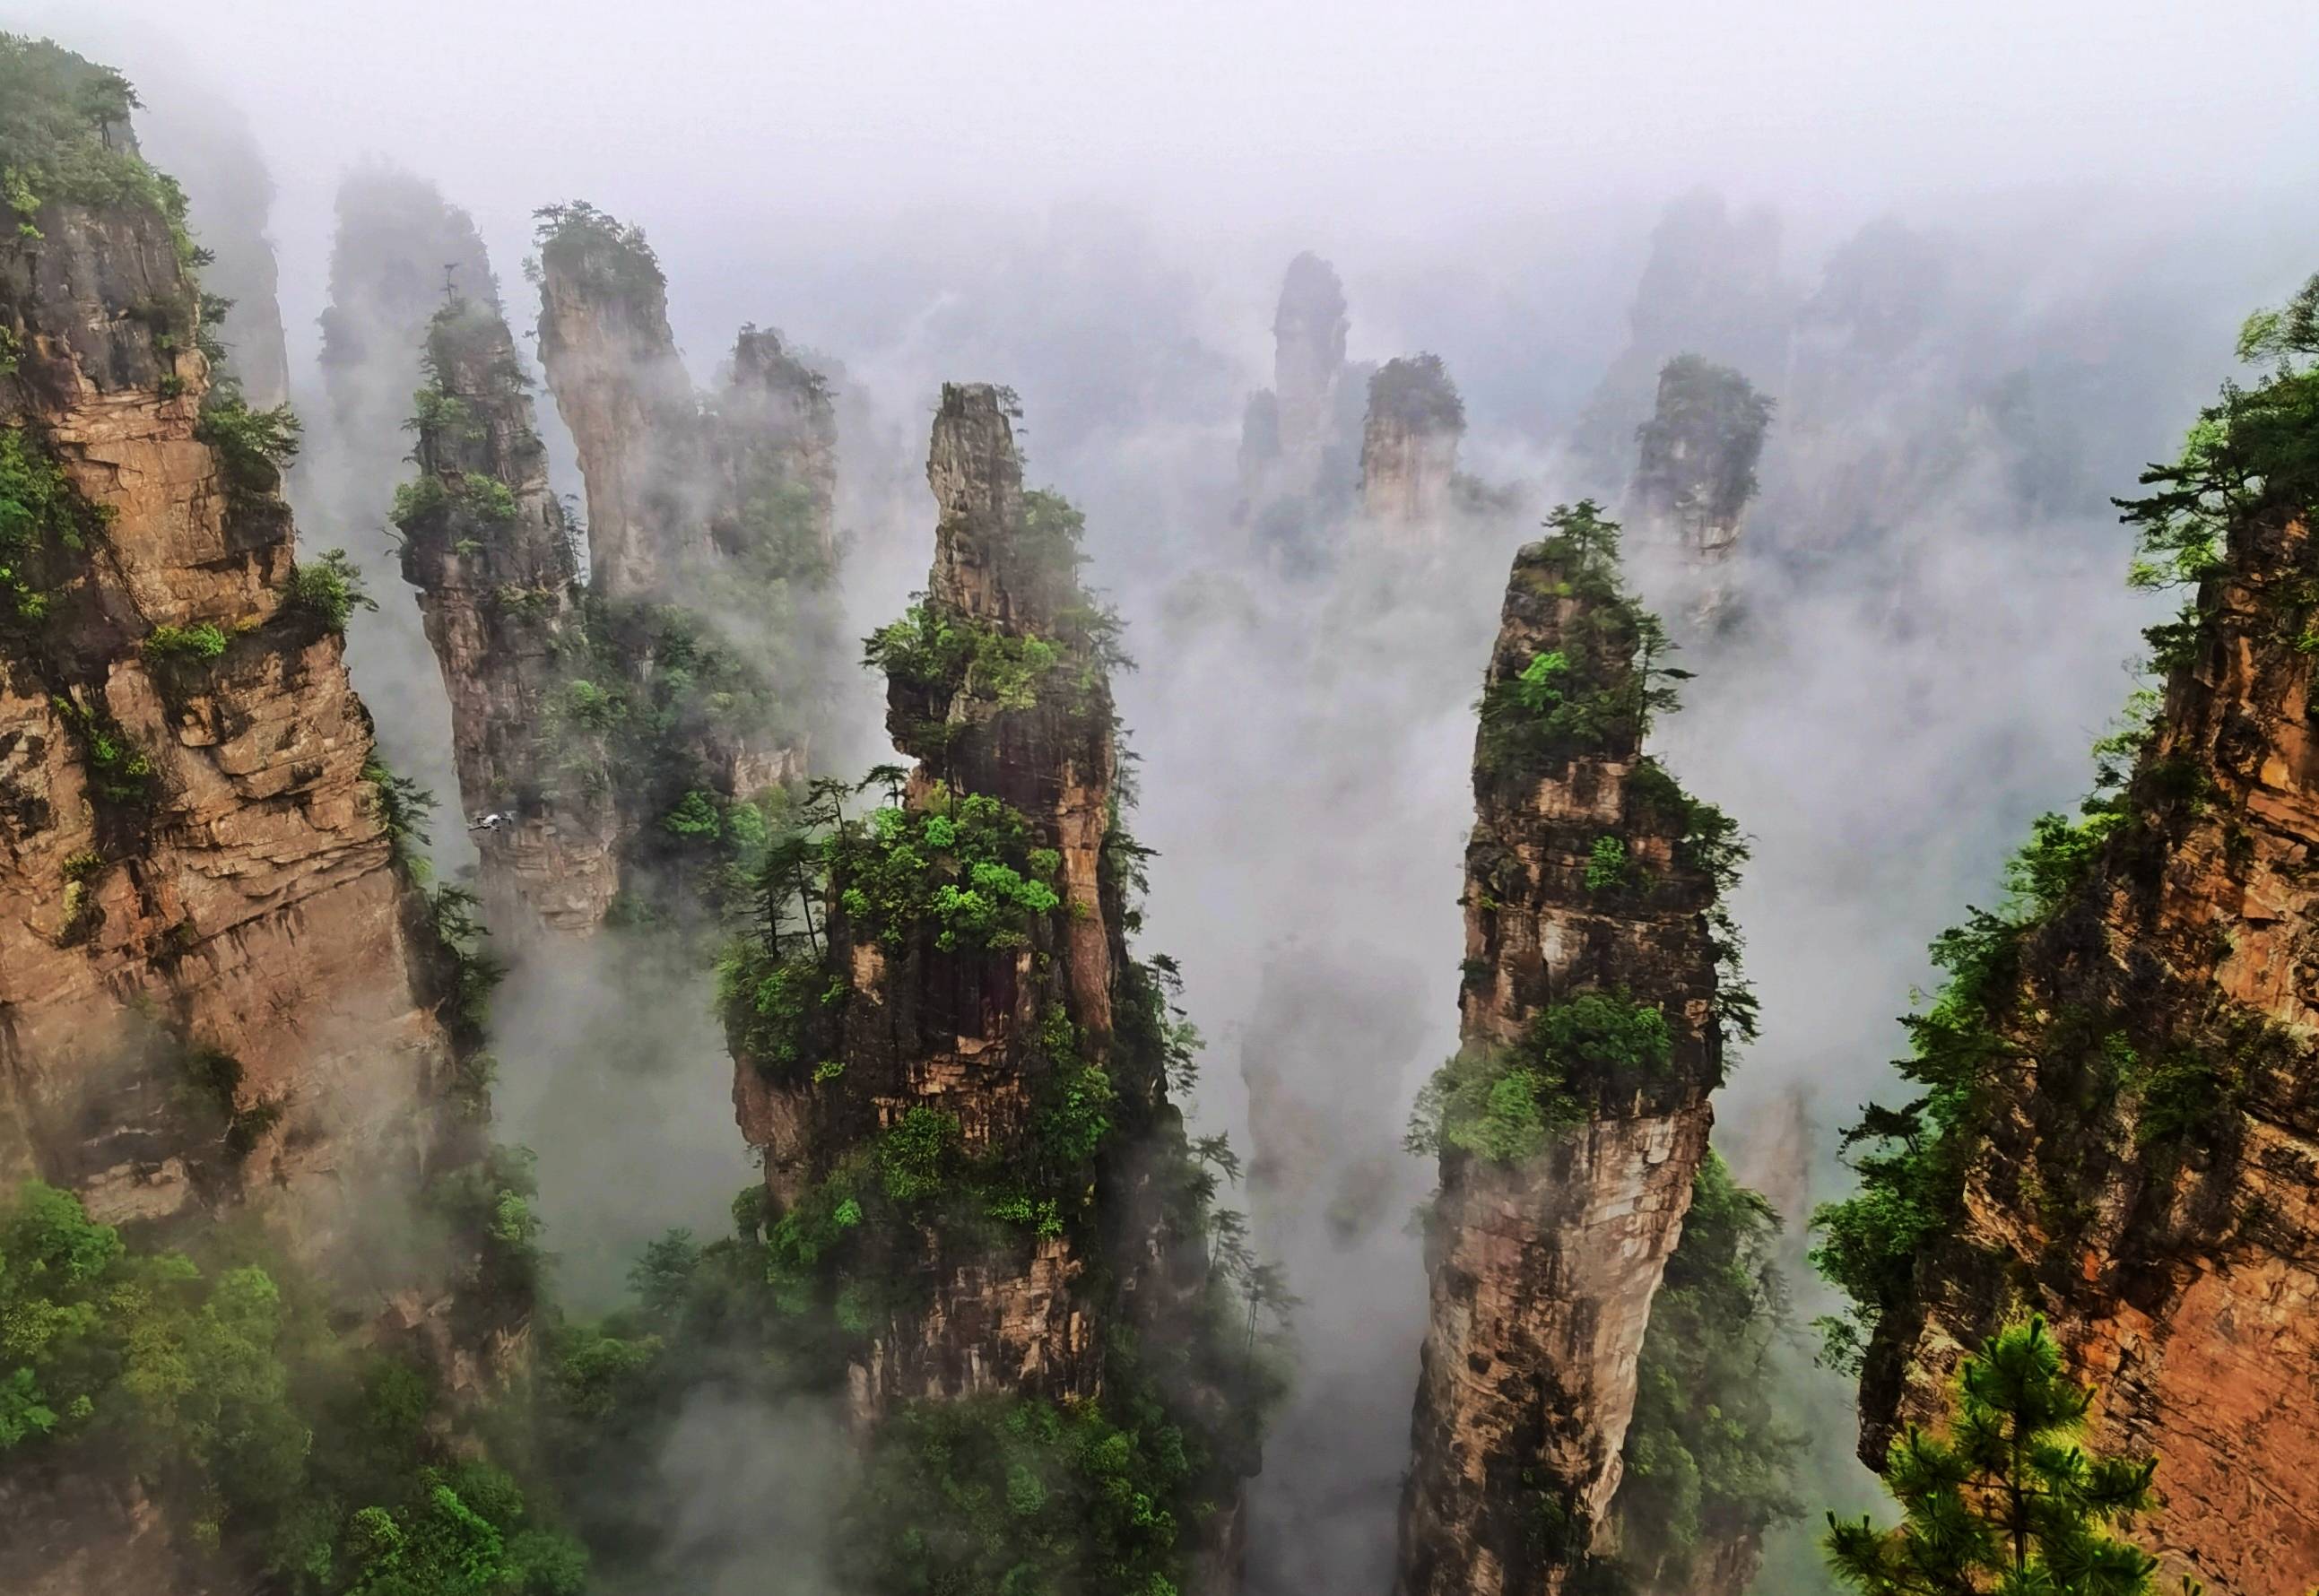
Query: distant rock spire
point(1409, 448)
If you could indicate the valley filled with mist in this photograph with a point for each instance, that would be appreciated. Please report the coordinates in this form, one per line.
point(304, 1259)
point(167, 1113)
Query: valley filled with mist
point(1077, 803)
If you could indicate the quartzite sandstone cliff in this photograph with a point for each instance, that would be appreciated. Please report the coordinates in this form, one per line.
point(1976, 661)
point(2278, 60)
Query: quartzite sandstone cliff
point(979, 1081)
point(191, 862)
point(2139, 1149)
point(1592, 963)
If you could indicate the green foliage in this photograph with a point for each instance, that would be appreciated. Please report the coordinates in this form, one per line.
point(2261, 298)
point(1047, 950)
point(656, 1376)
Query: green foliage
point(203, 640)
point(1708, 1460)
point(1608, 867)
point(696, 815)
point(917, 1156)
point(999, 1496)
point(1705, 415)
point(2009, 1501)
point(597, 251)
point(237, 1405)
point(1506, 1104)
point(454, 916)
point(1594, 692)
point(438, 415)
point(1416, 391)
point(119, 771)
point(965, 868)
point(938, 654)
point(43, 521)
point(401, 806)
point(2251, 456)
point(330, 590)
point(1910, 1159)
point(474, 494)
point(253, 447)
point(61, 121)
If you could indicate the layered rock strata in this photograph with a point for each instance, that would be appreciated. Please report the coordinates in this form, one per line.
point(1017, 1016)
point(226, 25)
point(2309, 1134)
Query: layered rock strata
point(975, 1083)
point(216, 989)
point(1574, 1117)
point(2137, 1152)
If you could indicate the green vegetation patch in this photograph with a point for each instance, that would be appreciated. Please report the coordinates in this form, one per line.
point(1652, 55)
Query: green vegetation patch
point(1507, 1103)
point(226, 1389)
point(1708, 1460)
point(63, 127)
point(967, 868)
point(1595, 692)
point(44, 525)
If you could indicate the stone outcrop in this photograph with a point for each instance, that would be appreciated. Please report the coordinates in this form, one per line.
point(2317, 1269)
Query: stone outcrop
point(979, 1083)
point(959, 1033)
point(1409, 449)
point(1308, 362)
point(1300, 439)
point(1573, 1119)
point(486, 545)
point(1696, 471)
point(724, 503)
point(1713, 283)
point(398, 254)
point(2140, 1159)
point(216, 988)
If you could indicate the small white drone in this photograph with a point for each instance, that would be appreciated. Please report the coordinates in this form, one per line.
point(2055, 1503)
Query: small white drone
point(494, 821)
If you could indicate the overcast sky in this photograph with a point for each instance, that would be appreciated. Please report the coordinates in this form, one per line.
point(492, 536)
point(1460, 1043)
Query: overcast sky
point(1199, 104)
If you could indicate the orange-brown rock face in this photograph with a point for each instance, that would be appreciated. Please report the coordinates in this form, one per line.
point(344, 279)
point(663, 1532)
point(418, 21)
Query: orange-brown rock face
point(1564, 1188)
point(485, 544)
point(2164, 1218)
point(1409, 448)
point(211, 991)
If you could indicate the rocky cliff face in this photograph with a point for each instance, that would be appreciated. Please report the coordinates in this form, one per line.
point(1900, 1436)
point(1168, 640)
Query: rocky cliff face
point(1573, 1120)
point(2120, 1129)
point(1696, 468)
point(1409, 449)
point(1713, 283)
point(955, 1070)
point(485, 544)
point(210, 988)
point(1308, 362)
point(723, 504)
point(622, 389)
point(397, 250)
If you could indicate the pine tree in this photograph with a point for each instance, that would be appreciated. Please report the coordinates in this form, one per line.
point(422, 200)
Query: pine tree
point(2009, 1503)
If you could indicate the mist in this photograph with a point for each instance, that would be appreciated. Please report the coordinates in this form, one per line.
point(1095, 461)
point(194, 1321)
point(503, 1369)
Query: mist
point(1986, 263)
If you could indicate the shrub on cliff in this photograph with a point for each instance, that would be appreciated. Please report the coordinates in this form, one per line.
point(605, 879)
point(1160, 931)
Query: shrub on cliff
point(2008, 1501)
point(1708, 1460)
